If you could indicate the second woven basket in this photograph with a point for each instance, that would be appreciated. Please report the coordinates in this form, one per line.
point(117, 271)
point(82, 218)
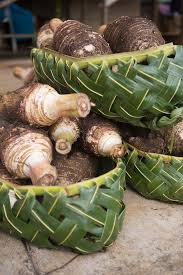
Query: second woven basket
point(155, 176)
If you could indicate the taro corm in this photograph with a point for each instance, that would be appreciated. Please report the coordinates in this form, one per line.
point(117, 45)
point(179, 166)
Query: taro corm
point(27, 153)
point(126, 34)
point(79, 40)
point(64, 133)
point(101, 137)
point(40, 105)
point(75, 167)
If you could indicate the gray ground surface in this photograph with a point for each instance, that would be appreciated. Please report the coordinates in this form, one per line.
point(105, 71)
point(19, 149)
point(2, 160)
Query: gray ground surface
point(151, 242)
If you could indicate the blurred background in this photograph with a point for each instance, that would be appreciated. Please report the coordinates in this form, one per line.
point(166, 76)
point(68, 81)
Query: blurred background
point(20, 19)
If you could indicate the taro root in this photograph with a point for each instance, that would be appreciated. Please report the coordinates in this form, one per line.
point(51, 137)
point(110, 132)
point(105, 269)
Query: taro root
point(27, 153)
point(65, 132)
point(45, 35)
point(174, 139)
point(39, 104)
point(151, 144)
point(127, 34)
point(66, 29)
point(168, 141)
point(6, 176)
point(75, 167)
point(25, 74)
point(76, 39)
point(101, 137)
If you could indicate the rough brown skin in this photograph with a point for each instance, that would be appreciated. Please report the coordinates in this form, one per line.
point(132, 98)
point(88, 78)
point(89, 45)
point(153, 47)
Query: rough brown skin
point(5, 175)
point(75, 167)
point(93, 128)
point(127, 34)
point(10, 131)
point(168, 141)
point(10, 103)
point(67, 28)
point(27, 153)
point(174, 139)
point(76, 39)
point(151, 144)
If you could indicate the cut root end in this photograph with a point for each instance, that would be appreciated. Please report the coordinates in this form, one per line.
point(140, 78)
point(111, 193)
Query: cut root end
point(55, 23)
point(83, 105)
point(63, 147)
point(45, 180)
point(118, 151)
point(43, 175)
point(73, 105)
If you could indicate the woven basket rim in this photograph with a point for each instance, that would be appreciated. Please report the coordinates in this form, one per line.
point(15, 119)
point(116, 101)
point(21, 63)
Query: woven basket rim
point(139, 56)
point(153, 155)
point(70, 190)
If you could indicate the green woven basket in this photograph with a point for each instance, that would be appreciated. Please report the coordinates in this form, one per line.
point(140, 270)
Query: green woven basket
point(155, 176)
point(85, 216)
point(143, 88)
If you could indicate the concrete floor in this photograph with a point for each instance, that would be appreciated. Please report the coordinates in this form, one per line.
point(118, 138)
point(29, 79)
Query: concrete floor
point(151, 242)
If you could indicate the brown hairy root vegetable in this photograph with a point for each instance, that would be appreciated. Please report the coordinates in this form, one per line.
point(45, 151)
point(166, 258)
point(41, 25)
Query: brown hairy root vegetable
point(75, 167)
point(76, 39)
point(27, 153)
point(168, 141)
point(45, 35)
point(151, 144)
point(65, 132)
point(127, 34)
point(69, 27)
point(5, 175)
point(25, 74)
point(101, 137)
point(39, 104)
point(174, 139)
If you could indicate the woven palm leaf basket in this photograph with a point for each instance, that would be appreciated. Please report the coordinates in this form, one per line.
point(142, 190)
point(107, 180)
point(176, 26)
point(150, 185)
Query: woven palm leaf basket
point(155, 176)
point(143, 88)
point(86, 216)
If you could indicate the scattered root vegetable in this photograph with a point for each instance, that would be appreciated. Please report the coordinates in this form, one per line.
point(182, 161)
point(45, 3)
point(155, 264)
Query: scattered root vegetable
point(65, 132)
point(76, 39)
point(101, 137)
point(25, 74)
point(45, 35)
point(75, 167)
point(39, 104)
point(27, 153)
point(127, 34)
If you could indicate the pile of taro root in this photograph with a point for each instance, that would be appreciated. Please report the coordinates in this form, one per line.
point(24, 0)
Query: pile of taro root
point(52, 139)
